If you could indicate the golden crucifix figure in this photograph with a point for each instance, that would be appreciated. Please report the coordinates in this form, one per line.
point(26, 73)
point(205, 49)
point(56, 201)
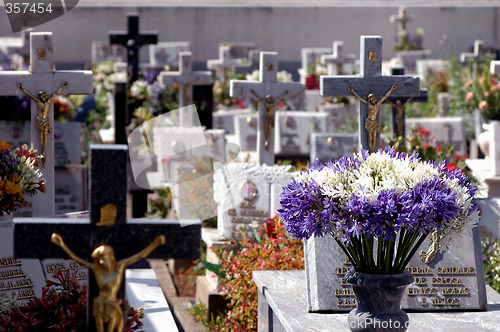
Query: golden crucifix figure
point(431, 253)
point(109, 275)
point(372, 126)
point(269, 104)
point(42, 120)
point(399, 118)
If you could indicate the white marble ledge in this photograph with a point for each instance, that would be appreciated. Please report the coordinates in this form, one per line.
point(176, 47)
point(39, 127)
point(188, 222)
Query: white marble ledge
point(285, 293)
point(144, 291)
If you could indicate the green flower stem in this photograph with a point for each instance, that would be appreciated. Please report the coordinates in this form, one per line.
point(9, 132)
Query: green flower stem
point(388, 257)
point(407, 245)
point(368, 247)
point(380, 254)
point(359, 250)
point(348, 254)
point(413, 251)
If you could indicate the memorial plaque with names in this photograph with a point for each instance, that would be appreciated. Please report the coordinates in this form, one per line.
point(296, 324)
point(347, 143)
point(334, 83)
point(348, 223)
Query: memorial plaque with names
point(244, 195)
point(454, 280)
point(67, 146)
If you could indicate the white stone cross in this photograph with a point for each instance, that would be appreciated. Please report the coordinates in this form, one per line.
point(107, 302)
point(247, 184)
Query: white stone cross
point(269, 92)
point(478, 52)
point(224, 63)
point(401, 19)
point(367, 84)
point(335, 62)
point(186, 78)
point(42, 77)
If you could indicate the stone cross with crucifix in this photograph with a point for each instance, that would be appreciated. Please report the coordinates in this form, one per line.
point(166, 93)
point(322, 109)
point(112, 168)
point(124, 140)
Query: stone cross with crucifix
point(269, 92)
point(133, 40)
point(186, 78)
point(401, 19)
point(398, 105)
point(107, 237)
point(371, 88)
point(223, 63)
point(42, 83)
point(335, 62)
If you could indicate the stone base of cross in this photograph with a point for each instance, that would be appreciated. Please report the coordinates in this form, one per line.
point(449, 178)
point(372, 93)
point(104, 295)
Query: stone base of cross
point(106, 243)
point(371, 89)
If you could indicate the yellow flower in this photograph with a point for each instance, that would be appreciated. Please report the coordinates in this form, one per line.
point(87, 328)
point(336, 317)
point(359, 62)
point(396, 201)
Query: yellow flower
point(4, 145)
point(12, 188)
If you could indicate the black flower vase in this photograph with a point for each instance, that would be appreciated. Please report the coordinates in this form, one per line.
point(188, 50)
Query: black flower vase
point(378, 298)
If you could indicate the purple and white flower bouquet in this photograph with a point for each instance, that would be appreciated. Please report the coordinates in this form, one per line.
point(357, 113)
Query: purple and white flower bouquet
point(379, 207)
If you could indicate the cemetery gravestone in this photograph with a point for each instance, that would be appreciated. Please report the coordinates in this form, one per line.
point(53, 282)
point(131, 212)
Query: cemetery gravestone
point(446, 131)
point(225, 119)
point(335, 62)
point(107, 224)
point(371, 88)
point(294, 129)
point(251, 64)
point(401, 19)
point(42, 77)
point(398, 106)
point(246, 131)
point(454, 280)
point(102, 51)
point(332, 146)
point(186, 78)
point(268, 91)
point(244, 193)
point(239, 50)
point(341, 117)
point(223, 64)
point(478, 51)
point(310, 58)
point(167, 53)
point(133, 40)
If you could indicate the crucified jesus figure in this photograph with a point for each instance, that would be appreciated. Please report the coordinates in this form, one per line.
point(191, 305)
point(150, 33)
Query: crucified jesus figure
point(109, 275)
point(372, 126)
point(399, 118)
point(269, 104)
point(43, 103)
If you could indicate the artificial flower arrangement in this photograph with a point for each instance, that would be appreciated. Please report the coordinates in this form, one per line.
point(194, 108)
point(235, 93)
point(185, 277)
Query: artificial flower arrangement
point(18, 176)
point(405, 41)
point(484, 93)
point(380, 207)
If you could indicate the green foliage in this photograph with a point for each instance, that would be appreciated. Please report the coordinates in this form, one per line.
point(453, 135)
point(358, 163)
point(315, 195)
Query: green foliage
point(276, 250)
point(215, 324)
point(160, 207)
point(62, 307)
point(491, 260)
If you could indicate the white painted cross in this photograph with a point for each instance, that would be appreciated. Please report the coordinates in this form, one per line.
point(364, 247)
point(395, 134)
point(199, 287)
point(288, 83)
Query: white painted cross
point(269, 92)
point(335, 62)
point(186, 78)
point(478, 52)
point(368, 84)
point(224, 63)
point(401, 19)
point(42, 77)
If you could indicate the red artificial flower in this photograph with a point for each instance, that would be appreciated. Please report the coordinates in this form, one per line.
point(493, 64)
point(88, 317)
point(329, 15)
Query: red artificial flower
point(312, 82)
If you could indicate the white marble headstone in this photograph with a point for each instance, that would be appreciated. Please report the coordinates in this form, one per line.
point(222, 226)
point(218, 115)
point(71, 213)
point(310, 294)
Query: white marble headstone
point(167, 53)
point(244, 195)
point(246, 131)
point(341, 117)
point(293, 130)
point(225, 119)
point(332, 146)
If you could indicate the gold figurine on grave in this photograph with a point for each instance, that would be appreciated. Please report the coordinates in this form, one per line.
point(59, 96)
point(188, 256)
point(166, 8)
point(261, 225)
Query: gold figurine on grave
point(431, 253)
point(109, 275)
point(42, 120)
point(399, 118)
point(269, 104)
point(372, 126)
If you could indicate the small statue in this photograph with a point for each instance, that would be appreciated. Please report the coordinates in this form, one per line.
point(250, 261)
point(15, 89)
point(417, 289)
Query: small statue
point(42, 120)
point(269, 104)
point(109, 275)
point(433, 250)
point(398, 118)
point(372, 126)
